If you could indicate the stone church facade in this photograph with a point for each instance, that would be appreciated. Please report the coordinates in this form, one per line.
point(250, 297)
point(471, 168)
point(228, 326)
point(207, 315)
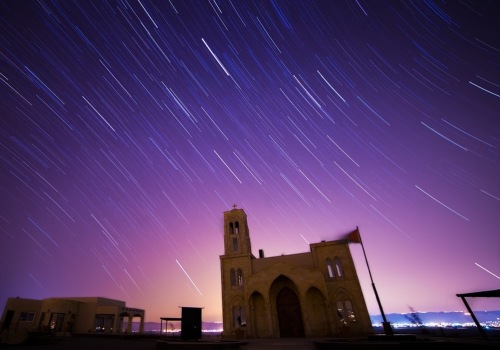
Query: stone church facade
point(312, 294)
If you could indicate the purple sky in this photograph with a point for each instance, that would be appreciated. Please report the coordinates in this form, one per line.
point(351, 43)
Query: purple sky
point(129, 127)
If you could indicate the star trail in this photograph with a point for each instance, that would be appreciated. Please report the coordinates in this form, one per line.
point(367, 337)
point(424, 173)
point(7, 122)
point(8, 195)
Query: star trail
point(128, 127)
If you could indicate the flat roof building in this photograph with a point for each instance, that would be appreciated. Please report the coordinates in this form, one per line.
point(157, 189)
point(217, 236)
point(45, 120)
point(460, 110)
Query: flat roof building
point(80, 315)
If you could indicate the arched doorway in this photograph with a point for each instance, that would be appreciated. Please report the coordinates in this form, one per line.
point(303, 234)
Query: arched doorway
point(259, 315)
point(289, 314)
point(315, 313)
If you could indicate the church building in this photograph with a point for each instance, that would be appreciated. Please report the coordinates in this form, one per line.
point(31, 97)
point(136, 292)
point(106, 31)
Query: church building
point(311, 294)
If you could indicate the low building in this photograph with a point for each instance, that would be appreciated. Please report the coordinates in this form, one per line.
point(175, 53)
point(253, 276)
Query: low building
point(311, 294)
point(80, 315)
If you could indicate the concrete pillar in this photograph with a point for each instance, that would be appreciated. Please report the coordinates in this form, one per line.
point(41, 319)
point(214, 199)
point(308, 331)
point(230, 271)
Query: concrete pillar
point(129, 325)
point(116, 324)
point(141, 327)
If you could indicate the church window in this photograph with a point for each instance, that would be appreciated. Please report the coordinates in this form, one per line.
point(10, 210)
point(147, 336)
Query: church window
point(334, 268)
point(341, 312)
point(235, 244)
point(345, 312)
point(231, 228)
point(338, 268)
point(329, 267)
point(239, 319)
point(240, 278)
point(349, 311)
point(232, 277)
point(236, 227)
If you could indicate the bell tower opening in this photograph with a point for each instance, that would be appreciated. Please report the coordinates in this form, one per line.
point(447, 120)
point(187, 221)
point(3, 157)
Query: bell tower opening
point(236, 234)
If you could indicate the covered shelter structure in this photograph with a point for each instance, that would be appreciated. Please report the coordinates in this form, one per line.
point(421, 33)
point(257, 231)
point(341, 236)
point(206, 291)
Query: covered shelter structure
point(190, 323)
point(484, 294)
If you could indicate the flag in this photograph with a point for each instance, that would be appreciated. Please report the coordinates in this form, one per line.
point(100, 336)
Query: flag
point(354, 236)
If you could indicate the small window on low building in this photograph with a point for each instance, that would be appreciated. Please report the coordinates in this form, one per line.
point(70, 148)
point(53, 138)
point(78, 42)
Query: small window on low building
point(27, 316)
point(56, 321)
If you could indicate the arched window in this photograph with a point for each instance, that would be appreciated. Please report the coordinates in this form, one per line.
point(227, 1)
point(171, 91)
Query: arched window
point(240, 277)
point(329, 267)
point(349, 311)
point(341, 312)
point(235, 244)
point(231, 228)
point(338, 267)
point(236, 227)
point(345, 312)
point(239, 318)
point(232, 278)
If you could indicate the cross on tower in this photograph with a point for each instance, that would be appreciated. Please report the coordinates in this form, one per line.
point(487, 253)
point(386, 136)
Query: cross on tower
point(234, 206)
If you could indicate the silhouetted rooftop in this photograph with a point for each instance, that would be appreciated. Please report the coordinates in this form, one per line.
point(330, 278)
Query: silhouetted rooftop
point(484, 294)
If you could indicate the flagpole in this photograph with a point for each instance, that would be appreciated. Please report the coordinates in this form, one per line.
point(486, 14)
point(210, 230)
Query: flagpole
point(387, 325)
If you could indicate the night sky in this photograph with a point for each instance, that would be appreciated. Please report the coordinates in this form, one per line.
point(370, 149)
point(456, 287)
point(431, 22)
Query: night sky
point(129, 127)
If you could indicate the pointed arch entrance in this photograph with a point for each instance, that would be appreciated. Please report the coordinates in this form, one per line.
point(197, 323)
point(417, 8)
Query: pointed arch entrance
point(286, 308)
point(289, 314)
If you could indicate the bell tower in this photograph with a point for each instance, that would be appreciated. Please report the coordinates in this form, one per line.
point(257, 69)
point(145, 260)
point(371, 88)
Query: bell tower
point(236, 266)
point(236, 235)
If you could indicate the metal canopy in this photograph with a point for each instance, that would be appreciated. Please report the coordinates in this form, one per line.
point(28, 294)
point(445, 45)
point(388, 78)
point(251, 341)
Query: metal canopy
point(484, 294)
